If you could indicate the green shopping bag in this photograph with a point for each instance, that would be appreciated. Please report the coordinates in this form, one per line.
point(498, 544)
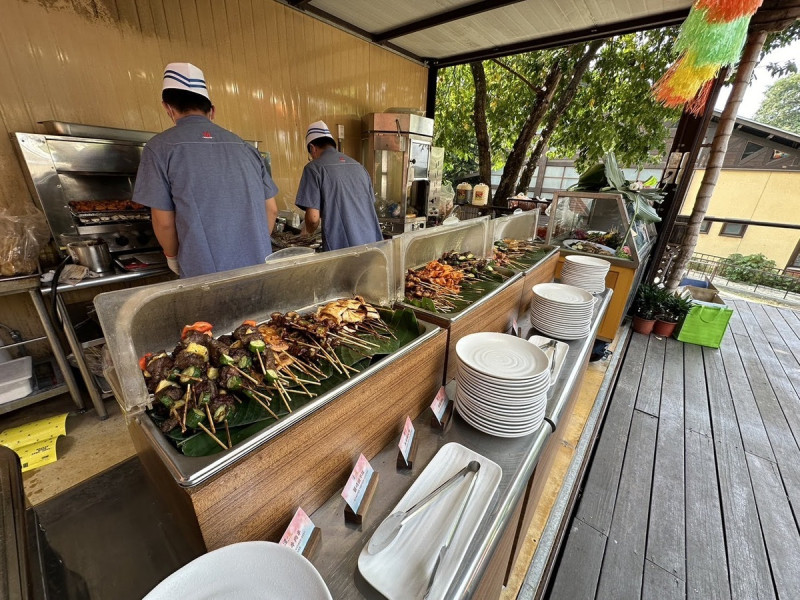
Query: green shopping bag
point(705, 324)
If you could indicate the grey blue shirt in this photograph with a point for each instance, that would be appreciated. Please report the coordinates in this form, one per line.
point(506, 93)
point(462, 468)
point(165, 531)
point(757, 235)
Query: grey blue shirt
point(217, 185)
point(341, 190)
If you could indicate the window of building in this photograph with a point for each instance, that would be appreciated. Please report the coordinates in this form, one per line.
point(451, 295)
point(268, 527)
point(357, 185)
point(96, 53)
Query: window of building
point(705, 226)
point(750, 149)
point(733, 229)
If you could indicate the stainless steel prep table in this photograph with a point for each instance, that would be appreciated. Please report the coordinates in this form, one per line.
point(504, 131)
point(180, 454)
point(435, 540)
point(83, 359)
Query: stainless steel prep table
point(341, 543)
point(74, 342)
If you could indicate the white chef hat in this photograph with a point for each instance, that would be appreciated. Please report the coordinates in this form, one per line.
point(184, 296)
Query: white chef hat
point(186, 77)
point(317, 130)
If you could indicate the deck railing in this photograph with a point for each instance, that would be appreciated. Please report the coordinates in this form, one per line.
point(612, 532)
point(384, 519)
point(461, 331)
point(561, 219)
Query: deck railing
point(727, 272)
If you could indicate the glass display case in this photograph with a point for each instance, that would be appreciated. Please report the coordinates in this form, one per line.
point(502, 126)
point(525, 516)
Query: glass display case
point(599, 224)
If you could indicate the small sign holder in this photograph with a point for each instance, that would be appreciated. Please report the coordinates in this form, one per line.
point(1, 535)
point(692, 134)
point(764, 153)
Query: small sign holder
point(359, 491)
point(407, 446)
point(302, 535)
point(442, 409)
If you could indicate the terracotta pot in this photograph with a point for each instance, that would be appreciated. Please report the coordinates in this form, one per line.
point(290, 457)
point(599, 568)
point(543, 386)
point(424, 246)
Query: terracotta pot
point(664, 328)
point(643, 326)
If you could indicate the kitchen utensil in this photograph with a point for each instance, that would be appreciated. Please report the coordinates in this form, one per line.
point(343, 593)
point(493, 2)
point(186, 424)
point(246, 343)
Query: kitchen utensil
point(475, 467)
point(387, 531)
point(92, 254)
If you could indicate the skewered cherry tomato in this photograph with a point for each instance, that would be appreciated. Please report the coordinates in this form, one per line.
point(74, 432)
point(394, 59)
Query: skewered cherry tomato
point(200, 326)
point(144, 360)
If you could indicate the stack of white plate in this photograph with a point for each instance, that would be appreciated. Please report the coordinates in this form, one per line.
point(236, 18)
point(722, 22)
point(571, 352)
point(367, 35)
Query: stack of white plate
point(585, 272)
point(561, 311)
point(502, 384)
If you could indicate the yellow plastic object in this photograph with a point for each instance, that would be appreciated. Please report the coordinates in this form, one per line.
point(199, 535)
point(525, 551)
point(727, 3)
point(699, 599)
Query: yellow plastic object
point(35, 443)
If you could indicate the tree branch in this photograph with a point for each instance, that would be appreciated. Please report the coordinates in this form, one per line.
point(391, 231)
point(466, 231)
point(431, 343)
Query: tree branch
point(481, 127)
point(516, 73)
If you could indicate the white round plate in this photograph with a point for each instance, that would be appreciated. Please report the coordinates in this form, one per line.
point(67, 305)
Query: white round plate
point(511, 424)
point(580, 261)
point(245, 571)
point(515, 387)
point(562, 294)
point(497, 394)
point(570, 243)
point(501, 356)
point(488, 429)
point(491, 401)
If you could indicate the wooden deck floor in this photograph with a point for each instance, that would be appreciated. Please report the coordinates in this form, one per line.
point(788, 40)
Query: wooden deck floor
point(694, 488)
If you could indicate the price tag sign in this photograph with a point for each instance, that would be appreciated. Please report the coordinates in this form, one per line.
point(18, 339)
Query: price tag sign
point(514, 327)
point(439, 404)
point(357, 484)
point(406, 439)
point(299, 532)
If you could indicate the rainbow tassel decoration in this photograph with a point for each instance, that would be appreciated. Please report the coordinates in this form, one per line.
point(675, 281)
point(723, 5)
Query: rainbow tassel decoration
point(712, 36)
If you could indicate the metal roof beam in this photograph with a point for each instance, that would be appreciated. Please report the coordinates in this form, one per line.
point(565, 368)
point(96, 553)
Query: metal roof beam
point(675, 17)
point(461, 12)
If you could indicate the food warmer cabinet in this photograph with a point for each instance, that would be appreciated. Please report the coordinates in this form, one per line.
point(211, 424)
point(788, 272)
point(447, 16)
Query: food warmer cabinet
point(493, 312)
point(523, 226)
point(603, 225)
point(396, 151)
point(252, 490)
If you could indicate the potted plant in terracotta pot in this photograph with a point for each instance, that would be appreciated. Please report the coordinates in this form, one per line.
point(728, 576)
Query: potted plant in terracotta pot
point(673, 310)
point(646, 306)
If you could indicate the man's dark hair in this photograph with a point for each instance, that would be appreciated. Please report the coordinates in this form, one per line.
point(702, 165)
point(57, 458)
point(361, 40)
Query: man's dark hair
point(184, 101)
point(321, 142)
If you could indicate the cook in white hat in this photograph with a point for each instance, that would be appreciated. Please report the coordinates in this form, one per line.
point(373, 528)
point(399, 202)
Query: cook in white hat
point(212, 199)
point(336, 191)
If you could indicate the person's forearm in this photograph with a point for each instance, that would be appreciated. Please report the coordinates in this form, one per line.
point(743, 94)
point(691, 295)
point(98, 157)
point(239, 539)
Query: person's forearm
point(311, 221)
point(272, 213)
point(165, 230)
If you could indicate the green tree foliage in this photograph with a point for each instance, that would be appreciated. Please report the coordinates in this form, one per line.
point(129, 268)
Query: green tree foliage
point(612, 111)
point(781, 104)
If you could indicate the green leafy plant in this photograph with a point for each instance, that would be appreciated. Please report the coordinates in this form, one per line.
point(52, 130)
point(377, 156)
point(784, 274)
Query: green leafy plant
point(674, 308)
point(648, 301)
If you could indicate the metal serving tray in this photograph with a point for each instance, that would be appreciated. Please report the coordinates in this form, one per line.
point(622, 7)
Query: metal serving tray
point(149, 319)
point(415, 249)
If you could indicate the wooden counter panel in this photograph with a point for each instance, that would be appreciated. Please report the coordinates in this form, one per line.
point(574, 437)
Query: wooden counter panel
point(256, 498)
point(620, 279)
point(496, 574)
point(544, 273)
point(493, 315)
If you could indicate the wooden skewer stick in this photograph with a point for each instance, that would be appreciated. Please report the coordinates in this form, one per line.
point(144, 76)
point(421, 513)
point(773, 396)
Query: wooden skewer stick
point(297, 381)
point(243, 374)
point(296, 361)
point(306, 367)
point(261, 402)
point(210, 420)
point(228, 433)
point(212, 436)
point(284, 395)
point(328, 356)
point(261, 363)
point(349, 341)
point(186, 406)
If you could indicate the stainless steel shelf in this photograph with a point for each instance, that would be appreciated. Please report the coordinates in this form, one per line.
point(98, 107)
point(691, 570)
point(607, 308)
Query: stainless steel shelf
point(34, 397)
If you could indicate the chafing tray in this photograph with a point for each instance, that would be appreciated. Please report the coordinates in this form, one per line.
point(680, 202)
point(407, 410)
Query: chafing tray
point(148, 319)
point(416, 249)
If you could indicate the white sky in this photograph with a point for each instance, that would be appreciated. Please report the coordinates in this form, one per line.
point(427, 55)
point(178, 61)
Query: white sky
point(761, 81)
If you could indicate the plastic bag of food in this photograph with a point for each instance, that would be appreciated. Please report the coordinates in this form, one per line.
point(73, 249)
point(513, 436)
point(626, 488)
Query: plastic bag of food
point(21, 237)
point(444, 199)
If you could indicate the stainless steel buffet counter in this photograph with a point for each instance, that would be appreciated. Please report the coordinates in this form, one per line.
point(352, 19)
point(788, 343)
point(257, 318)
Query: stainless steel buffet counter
point(337, 555)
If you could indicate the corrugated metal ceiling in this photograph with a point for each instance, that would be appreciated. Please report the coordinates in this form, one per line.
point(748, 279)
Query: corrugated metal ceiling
point(450, 31)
